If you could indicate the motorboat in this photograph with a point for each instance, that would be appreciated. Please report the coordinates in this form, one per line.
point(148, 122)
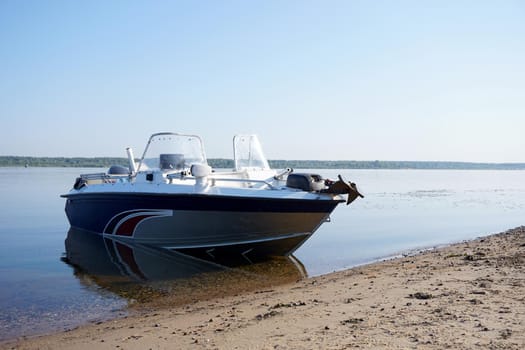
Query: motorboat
point(171, 198)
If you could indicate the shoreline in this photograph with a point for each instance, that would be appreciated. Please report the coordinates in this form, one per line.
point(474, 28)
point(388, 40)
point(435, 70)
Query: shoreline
point(106, 162)
point(465, 295)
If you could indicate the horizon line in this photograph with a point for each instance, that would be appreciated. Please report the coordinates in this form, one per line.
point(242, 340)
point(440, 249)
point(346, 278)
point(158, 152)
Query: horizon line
point(286, 160)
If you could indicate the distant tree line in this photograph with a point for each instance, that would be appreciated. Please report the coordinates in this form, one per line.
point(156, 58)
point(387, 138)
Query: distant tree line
point(381, 164)
point(105, 162)
point(75, 162)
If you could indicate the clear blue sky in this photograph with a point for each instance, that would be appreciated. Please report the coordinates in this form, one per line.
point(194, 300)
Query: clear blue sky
point(365, 80)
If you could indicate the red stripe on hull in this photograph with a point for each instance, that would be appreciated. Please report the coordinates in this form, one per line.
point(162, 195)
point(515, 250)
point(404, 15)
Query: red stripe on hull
point(128, 227)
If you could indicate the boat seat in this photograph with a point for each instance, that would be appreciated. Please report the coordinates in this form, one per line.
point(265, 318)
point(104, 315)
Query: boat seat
point(171, 161)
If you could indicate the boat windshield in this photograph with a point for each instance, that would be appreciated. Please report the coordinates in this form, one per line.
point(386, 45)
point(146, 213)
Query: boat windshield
point(248, 153)
point(170, 151)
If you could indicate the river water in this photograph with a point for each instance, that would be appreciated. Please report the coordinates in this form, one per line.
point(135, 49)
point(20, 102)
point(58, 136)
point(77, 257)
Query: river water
point(403, 210)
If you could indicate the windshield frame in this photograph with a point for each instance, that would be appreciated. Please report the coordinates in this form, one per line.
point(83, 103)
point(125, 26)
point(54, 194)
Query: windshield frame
point(189, 149)
point(248, 153)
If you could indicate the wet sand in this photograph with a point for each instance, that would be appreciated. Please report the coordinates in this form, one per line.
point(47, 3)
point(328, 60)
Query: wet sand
point(465, 296)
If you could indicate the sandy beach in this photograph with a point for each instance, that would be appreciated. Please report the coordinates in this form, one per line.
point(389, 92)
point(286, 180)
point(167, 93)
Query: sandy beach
point(464, 296)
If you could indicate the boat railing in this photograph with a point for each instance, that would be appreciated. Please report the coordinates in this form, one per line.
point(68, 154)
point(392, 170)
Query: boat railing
point(98, 176)
point(102, 177)
point(262, 182)
point(94, 176)
point(97, 179)
point(214, 180)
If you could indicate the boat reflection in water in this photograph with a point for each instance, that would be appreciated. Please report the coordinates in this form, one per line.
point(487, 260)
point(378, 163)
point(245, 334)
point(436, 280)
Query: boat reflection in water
point(145, 274)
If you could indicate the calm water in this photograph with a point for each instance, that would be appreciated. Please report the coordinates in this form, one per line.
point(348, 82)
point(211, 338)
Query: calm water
point(402, 210)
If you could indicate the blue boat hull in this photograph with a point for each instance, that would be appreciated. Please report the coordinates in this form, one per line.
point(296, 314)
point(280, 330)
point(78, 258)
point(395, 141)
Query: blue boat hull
point(203, 225)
